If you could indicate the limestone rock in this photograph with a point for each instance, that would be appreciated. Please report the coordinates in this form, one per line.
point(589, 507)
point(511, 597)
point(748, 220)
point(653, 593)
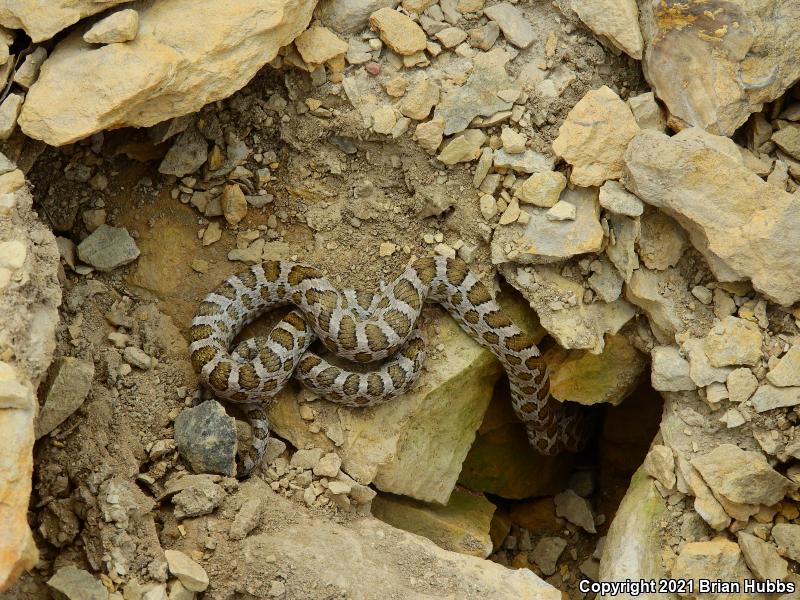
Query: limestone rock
point(415, 446)
point(118, 27)
point(621, 250)
point(542, 189)
point(662, 242)
point(705, 504)
point(649, 290)
point(715, 63)
point(660, 465)
point(9, 113)
point(187, 54)
point(787, 371)
point(543, 240)
point(234, 203)
point(547, 552)
point(741, 476)
point(741, 384)
point(721, 197)
point(733, 341)
point(461, 526)
point(28, 71)
point(318, 45)
point(575, 509)
point(718, 556)
point(647, 112)
point(206, 438)
point(77, 584)
point(670, 371)
point(595, 152)
point(762, 557)
point(429, 135)
point(398, 31)
point(768, 397)
point(350, 16)
point(614, 197)
point(463, 148)
point(191, 575)
point(66, 389)
point(420, 99)
point(187, 154)
point(522, 162)
point(512, 22)
point(43, 21)
point(108, 248)
point(587, 378)
point(787, 537)
point(616, 21)
point(478, 96)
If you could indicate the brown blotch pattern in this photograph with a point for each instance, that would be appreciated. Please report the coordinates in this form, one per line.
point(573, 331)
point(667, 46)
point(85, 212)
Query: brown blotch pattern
point(397, 375)
point(270, 360)
point(202, 356)
point(399, 323)
point(218, 378)
point(478, 294)
point(347, 333)
point(247, 377)
point(200, 332)
point(375, 337)
point(350, 386)
point(299, 273)
point(497, 320)
point(209, 309)
point(327, 377)
point(374, 385)
point(272, 270)
point(472, 316)
point(296, 321)
point(456, 271)
point(426, 269)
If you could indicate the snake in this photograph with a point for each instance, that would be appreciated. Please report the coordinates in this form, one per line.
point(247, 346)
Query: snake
point(377, 334)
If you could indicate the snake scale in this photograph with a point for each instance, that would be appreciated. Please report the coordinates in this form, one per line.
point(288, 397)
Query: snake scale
point(364, 328)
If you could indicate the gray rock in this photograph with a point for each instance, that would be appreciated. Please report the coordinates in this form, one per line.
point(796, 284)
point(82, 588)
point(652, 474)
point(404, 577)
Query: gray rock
point(9, 112)
point(77, 584)
point(575, 509)
point(6, 165)
point(525, 162)
point(306, 459)
point(787, 536)
point(768, 397)
point(515, 27)
point(614, 197)
point(187, 154)
point(605, 279)
point(741, 476)
point(547, 552)
point(191, 575)
point(660, 465)
point(350, 16)
point(670, 371)
point(246, 519)
point(137, 357)
point(65, 390)
point(108, 248)
point(206, 437)
point(762, 557)
point(201, 497)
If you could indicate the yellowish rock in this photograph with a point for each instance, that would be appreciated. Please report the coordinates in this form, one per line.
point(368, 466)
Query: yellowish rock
point(384, 120)
point(318, 45)
point(420, 99)
point(542, 189)
point(42, 20)
point(234, 203)
point(429, 135)
point(596, 151)
point(398, 31)
point(733, 341)
point(463, 148)
point(511, 213)
point(118, 27)
point(616, 21)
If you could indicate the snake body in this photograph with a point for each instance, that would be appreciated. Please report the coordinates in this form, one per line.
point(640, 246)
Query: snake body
point(364, 328)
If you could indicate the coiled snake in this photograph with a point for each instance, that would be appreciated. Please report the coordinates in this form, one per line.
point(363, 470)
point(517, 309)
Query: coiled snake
point(364, 328)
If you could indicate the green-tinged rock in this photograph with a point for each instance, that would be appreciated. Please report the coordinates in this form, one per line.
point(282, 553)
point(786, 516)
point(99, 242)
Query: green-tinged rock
point(206, 437)
point(580, 376)
point(77, 584)
point(108, 248)
point(502, 462)
point(65, 390)
point(461, 526)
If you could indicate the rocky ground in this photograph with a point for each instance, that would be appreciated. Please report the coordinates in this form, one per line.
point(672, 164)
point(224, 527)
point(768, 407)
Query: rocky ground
point(623, 177)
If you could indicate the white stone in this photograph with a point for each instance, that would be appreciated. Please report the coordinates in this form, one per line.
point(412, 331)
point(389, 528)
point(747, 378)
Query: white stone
point(670, 371)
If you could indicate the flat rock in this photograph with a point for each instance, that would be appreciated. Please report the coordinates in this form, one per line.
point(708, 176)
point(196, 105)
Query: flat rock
point(42, 21)
point(594, 136)
point(77, 584)
point(478, 96)
point(722, 196)
point(733, 341)
point(662, 242)
point(715, 63)
point(741, 476)
point(464, 147)
point(118, 27)
point(787, 371)
point(787, 537)
point(188, 53)
point(108, 248)
point(512, 22)
point(762, 557)
point(718, 558)
point(660, 465)
point(193, 577)
point(615, 21)
point(741, 384)
point(647, 112)
point(67, 387)
point(414, 445)
point(575, 509)
point(768, 397)
point(615, 198)
point(542, 240)
point(318, 45)
point(542, 189)
point(546, 553)
point(206, 437)
point(528, 161)
point(398, 31)
point(187, 154)
point(462, 525)
point(700, 369)
point(350, 16)
point(670, 371)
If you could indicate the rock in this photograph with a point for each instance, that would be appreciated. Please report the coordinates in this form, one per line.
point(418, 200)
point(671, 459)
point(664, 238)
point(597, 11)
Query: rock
point(561, 211)
point(234, 203)
point(614, 22)
point(605, 280)
point(787, 371)
point(206, 438)
point(429, 135)
point(67, 387)
point(450, 37)
point(350, 16)
point(398, 31)
point(741, 476)
point(420, 99)
point(137, 357)
point(647, 112)
point(512, 22)
point(787, 537)
point(187, 54)
point(42, 23)
point(28, 71)
point(524, 162)
point(547, 552)
point(478, 96)
point(700, 369)
point(575, 509)
point(587, 378)
point(246, 519)
point(670, 371)
point(723, 197)
point(614, 197)
point(543, 240)
point(513, 142)
point(463, 148)
point(768, 397)
point(624, 232)
point(660, 465)
point(488, 207)
point(536, 515)
point(306, 458)
point(461, 526)
point(108, 248)
point(788, 139)
point(733, 341)
point(596, 152)
point(741, 384)
point(703, 65)
point(542, 189)
point(187, 154)
point(77, 584)
point(318, 45)
point(328, 465)
point(189, 573)
point(762, 557)
point(719, 557)
point(9, 113)
point(121, 26)
point(705, 504)
point(414, 447)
